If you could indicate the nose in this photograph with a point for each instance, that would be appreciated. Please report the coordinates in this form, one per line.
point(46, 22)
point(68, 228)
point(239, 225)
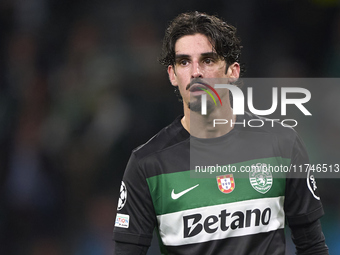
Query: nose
point(196, 71)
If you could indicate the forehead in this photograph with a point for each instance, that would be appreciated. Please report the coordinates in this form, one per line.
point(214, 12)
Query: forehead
point(193, 44)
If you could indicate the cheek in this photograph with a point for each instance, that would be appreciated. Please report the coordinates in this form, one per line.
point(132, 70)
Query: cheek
point(222, 69)
point(182, 79)
point(218, 72)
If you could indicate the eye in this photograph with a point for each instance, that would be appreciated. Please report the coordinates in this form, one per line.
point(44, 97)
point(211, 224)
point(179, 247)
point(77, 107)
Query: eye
point(183, 62)
point(208, 61)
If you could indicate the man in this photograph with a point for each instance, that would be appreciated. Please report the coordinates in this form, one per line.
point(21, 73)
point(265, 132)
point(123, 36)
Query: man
point(228, 214)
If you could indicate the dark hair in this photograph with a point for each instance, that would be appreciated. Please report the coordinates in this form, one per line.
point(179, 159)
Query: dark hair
point(221, 35)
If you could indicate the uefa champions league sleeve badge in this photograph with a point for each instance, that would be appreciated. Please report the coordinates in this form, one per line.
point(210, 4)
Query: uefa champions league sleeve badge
point(122, 196)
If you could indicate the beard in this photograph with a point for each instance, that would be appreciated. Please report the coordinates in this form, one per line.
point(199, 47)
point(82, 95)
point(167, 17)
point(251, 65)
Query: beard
point(195, 105)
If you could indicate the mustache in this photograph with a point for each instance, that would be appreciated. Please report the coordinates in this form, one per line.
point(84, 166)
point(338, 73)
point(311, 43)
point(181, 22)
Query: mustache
point(196, 81)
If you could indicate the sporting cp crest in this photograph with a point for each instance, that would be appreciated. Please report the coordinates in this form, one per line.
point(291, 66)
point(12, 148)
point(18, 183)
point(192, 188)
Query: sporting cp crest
point(261, 178)
point(226, 183)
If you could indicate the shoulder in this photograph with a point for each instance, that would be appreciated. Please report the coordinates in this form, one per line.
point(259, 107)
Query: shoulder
point(283, 137)
point(165, 138)
point(273, 127)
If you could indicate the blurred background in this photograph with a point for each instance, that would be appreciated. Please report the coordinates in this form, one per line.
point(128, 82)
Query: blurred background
point(80, 87)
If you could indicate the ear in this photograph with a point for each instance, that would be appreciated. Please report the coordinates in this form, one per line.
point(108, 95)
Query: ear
point(234, 71)
point(172, 75)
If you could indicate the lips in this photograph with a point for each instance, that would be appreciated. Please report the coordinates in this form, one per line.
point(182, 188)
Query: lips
point(197, 87)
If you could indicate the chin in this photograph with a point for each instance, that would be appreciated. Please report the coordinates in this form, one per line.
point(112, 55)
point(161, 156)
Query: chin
point(196, 106)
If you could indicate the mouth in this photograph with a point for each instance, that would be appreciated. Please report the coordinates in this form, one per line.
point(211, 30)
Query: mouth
point(197, 87)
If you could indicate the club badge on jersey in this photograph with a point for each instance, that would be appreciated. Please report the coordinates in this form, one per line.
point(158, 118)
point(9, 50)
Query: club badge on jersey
point(260, 179)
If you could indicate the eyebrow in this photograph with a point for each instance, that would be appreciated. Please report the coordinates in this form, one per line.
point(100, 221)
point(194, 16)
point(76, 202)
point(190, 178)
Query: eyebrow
point(205, 54)
point(180, 56)
point(210, 54)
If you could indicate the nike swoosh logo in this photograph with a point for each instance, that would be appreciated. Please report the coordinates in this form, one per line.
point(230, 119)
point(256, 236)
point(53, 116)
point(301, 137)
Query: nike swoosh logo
point(176, 196)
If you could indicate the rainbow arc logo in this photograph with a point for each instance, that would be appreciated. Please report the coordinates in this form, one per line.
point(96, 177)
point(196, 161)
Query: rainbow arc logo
point(209, 93)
